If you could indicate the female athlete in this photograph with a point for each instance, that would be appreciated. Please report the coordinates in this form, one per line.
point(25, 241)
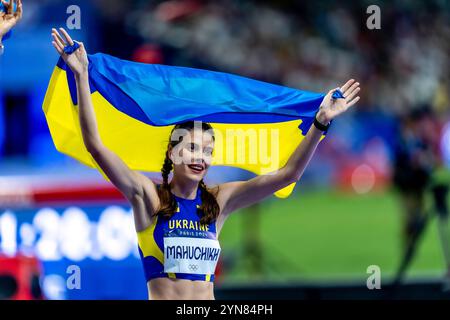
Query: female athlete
point(178, 222)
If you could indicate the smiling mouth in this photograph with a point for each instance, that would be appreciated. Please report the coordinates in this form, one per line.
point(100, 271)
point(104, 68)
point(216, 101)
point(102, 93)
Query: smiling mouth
point(196, 168)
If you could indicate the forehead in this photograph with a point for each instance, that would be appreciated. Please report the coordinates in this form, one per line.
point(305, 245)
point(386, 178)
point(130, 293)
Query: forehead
point(199, 136)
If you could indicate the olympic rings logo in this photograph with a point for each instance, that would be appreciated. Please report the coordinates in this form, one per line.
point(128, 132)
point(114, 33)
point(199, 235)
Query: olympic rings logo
point(193, 267)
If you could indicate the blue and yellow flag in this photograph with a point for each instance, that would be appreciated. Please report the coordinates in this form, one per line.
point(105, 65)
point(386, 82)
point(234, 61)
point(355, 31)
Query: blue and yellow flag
point(257, 124)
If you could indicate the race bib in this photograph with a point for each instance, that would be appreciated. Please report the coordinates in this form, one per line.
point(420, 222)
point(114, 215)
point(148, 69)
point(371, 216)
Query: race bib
point(190, 251)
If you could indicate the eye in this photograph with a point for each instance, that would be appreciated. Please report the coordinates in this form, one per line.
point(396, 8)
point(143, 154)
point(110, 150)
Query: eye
point(192, 147)
point(208, 151)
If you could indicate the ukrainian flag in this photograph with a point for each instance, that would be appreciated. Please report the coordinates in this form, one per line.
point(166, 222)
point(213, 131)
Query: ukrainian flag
point(257, 124)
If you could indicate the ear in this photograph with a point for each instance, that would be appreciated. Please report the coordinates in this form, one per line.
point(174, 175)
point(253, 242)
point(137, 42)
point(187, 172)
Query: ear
point(170, 153)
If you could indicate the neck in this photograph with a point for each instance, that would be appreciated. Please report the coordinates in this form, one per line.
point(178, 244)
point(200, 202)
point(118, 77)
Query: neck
point(184, 189)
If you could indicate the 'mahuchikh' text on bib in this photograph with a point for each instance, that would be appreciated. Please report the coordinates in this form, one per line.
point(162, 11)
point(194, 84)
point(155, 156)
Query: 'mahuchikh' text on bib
point(190, 251)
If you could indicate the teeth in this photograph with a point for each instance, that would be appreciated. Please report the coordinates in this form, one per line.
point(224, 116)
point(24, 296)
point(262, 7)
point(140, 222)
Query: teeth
point(196, 167)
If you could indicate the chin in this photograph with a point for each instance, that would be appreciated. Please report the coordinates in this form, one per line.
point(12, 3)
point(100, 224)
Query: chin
point(195, 176)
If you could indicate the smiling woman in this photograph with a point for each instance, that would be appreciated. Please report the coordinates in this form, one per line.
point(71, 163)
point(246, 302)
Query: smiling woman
point(182, 241)
point(178, 222)
point(189, 155)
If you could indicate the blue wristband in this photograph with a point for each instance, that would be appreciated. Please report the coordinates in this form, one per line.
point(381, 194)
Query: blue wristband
point(337, 94)
point(71, 49)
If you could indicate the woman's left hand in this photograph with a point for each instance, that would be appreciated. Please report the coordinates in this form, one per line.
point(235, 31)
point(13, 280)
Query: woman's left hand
point(331, 108)
point(10, 18)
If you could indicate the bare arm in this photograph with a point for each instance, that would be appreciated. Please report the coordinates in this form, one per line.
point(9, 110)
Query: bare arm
point(138, 189)
point(126, 180)
point(240, 194)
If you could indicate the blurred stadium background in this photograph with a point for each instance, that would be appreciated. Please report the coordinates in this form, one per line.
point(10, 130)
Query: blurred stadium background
point(379, 165)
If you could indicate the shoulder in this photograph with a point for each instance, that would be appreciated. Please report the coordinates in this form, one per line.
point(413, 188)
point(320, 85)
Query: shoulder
point(225, 189)
point(223, 192)
point(149, 192)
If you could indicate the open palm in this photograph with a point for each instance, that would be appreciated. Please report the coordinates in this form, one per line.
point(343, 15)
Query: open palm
point(77, 61)
point(10, 18)
point(331, 108)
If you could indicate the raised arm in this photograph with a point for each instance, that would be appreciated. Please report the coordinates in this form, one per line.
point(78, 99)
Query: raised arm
point(240, 194)
point(138, 189)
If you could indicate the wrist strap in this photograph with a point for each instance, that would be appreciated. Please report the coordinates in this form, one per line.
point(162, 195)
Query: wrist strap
point(320, 126)
point(69, 49)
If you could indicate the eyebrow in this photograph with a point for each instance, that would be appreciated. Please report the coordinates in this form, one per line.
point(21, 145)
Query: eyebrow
point(207, 145)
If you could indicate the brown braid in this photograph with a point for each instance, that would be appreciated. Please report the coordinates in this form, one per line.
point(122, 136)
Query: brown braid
point(209, 206)
point(168, 202)
point(168, 205)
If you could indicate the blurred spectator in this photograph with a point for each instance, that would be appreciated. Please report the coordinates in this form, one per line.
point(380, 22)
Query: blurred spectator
point(419, 171)
point(414, 161)
point(298, 45)
point(308, 45)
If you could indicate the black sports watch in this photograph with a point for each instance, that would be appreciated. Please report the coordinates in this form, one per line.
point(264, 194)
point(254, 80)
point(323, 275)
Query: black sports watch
point(319, 125)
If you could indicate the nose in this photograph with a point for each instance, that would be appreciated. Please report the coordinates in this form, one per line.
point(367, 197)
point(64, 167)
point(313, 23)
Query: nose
point(198, 161)
point(197, 157)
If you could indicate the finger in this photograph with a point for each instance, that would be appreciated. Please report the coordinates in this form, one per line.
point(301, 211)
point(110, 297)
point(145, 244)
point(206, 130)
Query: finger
point(57, 48)
point(347, 85)
point(56, 33)
point(351, 89)
point(351, 103)
point(6, 5)
point(81, 46)
point(60, 51)
point(10, 7)
point(58, 42)
point(67, 36)
point(352, 94)
point(19, 11)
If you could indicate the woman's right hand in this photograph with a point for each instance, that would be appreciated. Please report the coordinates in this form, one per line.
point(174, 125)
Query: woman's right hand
point(77, 61)
point(9, 18)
